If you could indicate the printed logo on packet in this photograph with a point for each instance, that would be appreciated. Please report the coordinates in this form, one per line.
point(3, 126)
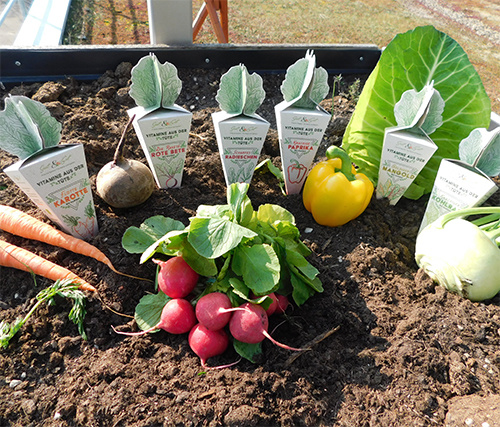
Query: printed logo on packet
point(70, 196)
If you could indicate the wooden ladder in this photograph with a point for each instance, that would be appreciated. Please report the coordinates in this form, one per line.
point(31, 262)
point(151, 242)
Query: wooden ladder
point(219, 25)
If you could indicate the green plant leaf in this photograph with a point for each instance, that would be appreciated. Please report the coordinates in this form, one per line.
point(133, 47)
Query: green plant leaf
point(170, 244)
point(259, 266)
point(213, 237)
point(148, 311)
point(239, 202)
point(214, 211)
point(296, 259)
point(277, 172)
point(203, 266)
point(26, 127)
point(251, 352)
point(138, 240)
point(157, 226)
point(301, 291)
point(240, 288)
point(411, 61)
point(272, 214)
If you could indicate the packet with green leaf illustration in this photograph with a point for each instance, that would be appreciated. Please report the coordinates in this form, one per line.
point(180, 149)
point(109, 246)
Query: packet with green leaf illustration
point(162, 127)
point(466, 182)
point(300, 120)
point(239, 130)
point(407, 147)
point(55, 177)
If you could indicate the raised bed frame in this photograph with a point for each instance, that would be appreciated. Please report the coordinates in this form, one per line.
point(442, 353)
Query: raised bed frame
point(25, 65)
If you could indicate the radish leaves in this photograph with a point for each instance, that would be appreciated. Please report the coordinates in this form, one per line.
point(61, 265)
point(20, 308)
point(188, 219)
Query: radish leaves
point(243, 250)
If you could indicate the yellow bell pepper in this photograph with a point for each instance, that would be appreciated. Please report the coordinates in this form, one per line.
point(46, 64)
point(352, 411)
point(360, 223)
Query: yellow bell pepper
point(334, 193)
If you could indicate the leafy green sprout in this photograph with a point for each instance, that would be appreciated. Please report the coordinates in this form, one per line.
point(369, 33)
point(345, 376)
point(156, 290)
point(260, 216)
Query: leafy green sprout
point(337, 80)
point(354, 90)
point(63, 288)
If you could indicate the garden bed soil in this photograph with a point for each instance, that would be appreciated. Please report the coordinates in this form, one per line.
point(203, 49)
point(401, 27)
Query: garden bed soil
point(399, 351)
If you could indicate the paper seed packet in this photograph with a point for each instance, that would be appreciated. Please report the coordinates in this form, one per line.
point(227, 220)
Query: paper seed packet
point(300, 120)
point(240, 132)
point(466, 182)
point(162, 127)
point(407, 147)
point(55, 177)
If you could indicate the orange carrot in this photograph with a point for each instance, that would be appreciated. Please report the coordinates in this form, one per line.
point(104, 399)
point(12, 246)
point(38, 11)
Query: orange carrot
point(22, 259)
point(21, 224)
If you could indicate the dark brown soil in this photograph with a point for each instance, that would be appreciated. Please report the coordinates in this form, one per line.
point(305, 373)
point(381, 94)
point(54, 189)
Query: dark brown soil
point(403, 349)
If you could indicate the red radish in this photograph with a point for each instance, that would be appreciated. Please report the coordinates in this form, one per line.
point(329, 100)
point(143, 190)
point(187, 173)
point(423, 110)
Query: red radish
point(214, 310)
point(206, 343)
point(283, 303)
point(250, 326)
point(177, 317)
point(274, 305)
point(176, 278)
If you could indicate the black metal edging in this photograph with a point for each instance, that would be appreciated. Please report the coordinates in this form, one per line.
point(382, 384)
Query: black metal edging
point(24, 65)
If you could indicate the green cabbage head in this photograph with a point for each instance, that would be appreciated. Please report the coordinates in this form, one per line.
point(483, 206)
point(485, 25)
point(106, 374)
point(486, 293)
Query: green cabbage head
point(410, 61)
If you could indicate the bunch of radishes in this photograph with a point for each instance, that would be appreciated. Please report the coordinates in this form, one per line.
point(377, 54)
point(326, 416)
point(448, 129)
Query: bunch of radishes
point(208, 317)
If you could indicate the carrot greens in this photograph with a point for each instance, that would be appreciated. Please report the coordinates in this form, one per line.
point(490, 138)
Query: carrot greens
point(62, 288)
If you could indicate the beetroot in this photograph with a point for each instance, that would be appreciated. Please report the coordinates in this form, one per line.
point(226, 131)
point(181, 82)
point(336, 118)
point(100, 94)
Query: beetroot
point(176, 278)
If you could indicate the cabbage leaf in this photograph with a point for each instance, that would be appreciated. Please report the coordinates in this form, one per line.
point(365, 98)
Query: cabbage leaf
point(411, 61)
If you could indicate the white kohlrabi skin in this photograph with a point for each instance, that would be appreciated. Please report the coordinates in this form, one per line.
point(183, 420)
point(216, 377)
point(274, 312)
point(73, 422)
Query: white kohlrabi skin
point(460, 257)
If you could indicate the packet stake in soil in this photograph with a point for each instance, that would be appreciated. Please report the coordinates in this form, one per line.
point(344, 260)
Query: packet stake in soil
point(300, 120)
point(55, 177)
point(407, 147)
point(466, 182)
point(161, 126)
point(239, 130)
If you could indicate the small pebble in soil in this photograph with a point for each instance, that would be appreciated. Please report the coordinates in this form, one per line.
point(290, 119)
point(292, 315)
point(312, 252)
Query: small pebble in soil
point(14, 383)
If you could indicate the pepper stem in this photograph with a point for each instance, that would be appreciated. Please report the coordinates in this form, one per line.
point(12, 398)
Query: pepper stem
point(334, 152)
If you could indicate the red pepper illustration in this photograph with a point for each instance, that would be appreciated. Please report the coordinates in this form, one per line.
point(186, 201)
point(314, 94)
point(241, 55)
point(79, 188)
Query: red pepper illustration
point(296, 172)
